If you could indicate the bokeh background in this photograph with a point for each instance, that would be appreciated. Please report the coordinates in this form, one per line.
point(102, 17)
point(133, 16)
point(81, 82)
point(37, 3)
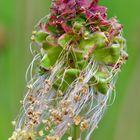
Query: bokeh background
point(17, 19)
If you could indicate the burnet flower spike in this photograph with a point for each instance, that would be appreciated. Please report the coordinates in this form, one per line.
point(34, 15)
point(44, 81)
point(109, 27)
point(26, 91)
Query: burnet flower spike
point(78, 53)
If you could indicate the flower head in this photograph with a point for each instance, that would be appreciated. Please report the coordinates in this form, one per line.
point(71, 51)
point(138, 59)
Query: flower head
point(80, 52)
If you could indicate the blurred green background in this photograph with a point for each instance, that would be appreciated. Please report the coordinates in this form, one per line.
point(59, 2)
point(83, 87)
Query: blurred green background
point(17, 19)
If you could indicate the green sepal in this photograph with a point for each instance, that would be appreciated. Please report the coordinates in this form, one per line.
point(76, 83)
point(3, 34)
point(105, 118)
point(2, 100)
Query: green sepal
point(100, 40)
point(49, 42)
point(108, 55)
point(77, 59)
point(80, 19)
point(120, 40)
point(40, 36)
point(69, 77)
point(51, 57)
point(97, 39)
point(102, 87)
point(103, 75)
point(71, 60)
point(80, 62)
point(51, 29)
point(65, 39)
point(77, 27)
point(85, 44)
point(46, 45)
point(102, 79)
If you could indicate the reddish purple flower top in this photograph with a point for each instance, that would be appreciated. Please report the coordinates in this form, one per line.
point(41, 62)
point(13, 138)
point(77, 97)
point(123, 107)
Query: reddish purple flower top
point(64, 12)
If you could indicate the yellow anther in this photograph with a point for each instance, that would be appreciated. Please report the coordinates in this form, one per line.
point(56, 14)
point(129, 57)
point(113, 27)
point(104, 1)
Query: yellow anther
point(41, 133)
point(33, 38)
point(34, 32)
point(77, 120)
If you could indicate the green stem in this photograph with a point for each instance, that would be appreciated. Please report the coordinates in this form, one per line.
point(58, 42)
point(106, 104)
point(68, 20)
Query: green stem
point(75, 132)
